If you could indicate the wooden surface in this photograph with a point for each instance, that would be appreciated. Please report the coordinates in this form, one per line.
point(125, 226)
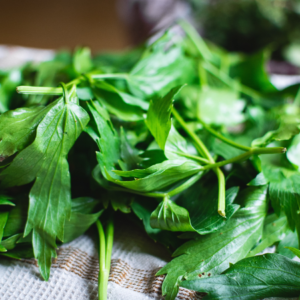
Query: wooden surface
point(62, 24)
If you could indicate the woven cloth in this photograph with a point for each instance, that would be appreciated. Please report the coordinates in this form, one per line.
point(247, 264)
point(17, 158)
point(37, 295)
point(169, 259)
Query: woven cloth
point(74, 274)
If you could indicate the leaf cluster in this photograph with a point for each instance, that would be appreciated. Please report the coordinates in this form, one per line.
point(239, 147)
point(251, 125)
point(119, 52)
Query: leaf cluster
point(176, 136)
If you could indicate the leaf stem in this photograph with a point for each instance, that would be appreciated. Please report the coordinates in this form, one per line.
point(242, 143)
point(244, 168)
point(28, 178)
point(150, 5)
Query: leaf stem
point(223, 138)
point(105, 251)
point(109, 245)
point(185, 185)
point(244, 156)
point(204, 151)
point(102, 285)
point(198, 143)
point(108, 76)
point(221, 192)
point(36, 90)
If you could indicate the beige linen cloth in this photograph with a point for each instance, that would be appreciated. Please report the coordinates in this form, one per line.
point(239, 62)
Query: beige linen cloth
point(74, 274)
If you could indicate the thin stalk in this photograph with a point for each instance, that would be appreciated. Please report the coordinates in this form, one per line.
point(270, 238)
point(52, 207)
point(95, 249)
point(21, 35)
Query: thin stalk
point(223, 138)
point(198, 143)
point(204, 151)
point(36, 90)
point(109, 245)
point(102, 285)
point(197, 40)
point(108, 76)
point(221, 192)
point(185, 185)
point(246, 155)
point(190, 156)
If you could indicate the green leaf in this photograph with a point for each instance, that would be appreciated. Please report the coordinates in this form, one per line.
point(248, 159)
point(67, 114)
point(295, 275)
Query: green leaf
point(158, 176)
point(4, 200)
point(295, 251)
point(211, 254)
point(82, 60)
point(128, 153)
point(3, 220)
point(289, 123)
point(275, 230)
point(170, 216)
point(18, 127)
point(285, 196)
point(17, 217)
point(123, 105)
point(201, 201)
point(103, 133)
point(259, 277)
point(8, 87)
point(45, 162)
point(11, 242)
point(291, 239)
point(142, 208)
point(159, 116)
point(293, 152)
point(162, 66)
point(251, 71)
point(176, 146)
point(220, 106)
point(81, 218)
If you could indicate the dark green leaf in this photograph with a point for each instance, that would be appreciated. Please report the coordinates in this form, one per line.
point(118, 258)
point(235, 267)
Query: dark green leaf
point(45, 161)
point(162, 66)
point(158, 176)
point(17, 128)
point(211, 254)
point(259, 277)
point(103, 133)
point(275, 229)
point(159, 116)
point(291, 240)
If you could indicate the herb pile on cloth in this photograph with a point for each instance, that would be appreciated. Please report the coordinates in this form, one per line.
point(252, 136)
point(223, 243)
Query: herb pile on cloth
point(191, 142)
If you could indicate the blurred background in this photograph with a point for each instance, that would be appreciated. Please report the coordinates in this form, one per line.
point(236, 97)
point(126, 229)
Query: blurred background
point(237, 25)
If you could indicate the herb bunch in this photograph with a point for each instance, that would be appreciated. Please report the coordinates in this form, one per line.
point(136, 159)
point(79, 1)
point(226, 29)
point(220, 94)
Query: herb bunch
point(192, 142)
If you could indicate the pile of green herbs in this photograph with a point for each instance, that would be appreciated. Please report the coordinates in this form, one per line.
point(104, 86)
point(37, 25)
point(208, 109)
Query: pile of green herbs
point(189, 141)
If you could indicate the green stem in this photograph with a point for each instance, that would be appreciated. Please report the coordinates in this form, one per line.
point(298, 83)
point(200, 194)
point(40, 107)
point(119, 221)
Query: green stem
point(193, 157)
point(244, 156)
point(223, 138)
point(185, 185)
point(109, 245)
point(204, 151)
point(197, 40)
point(102, 285)
point(36, 90)
point(110, 76)
point(221, 192)
point(198, 143)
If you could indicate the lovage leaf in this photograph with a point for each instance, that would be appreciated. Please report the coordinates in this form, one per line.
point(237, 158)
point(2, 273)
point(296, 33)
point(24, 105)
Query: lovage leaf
point(275, 229)
point(162, 66)
point(17, 128)
point(103, 133)
point(258, 277)
point(159, 116)
point(220, 106)
point(211, 254)
point(158, 176)
point(45, 162)
point(81, 218)
point(123, 105)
